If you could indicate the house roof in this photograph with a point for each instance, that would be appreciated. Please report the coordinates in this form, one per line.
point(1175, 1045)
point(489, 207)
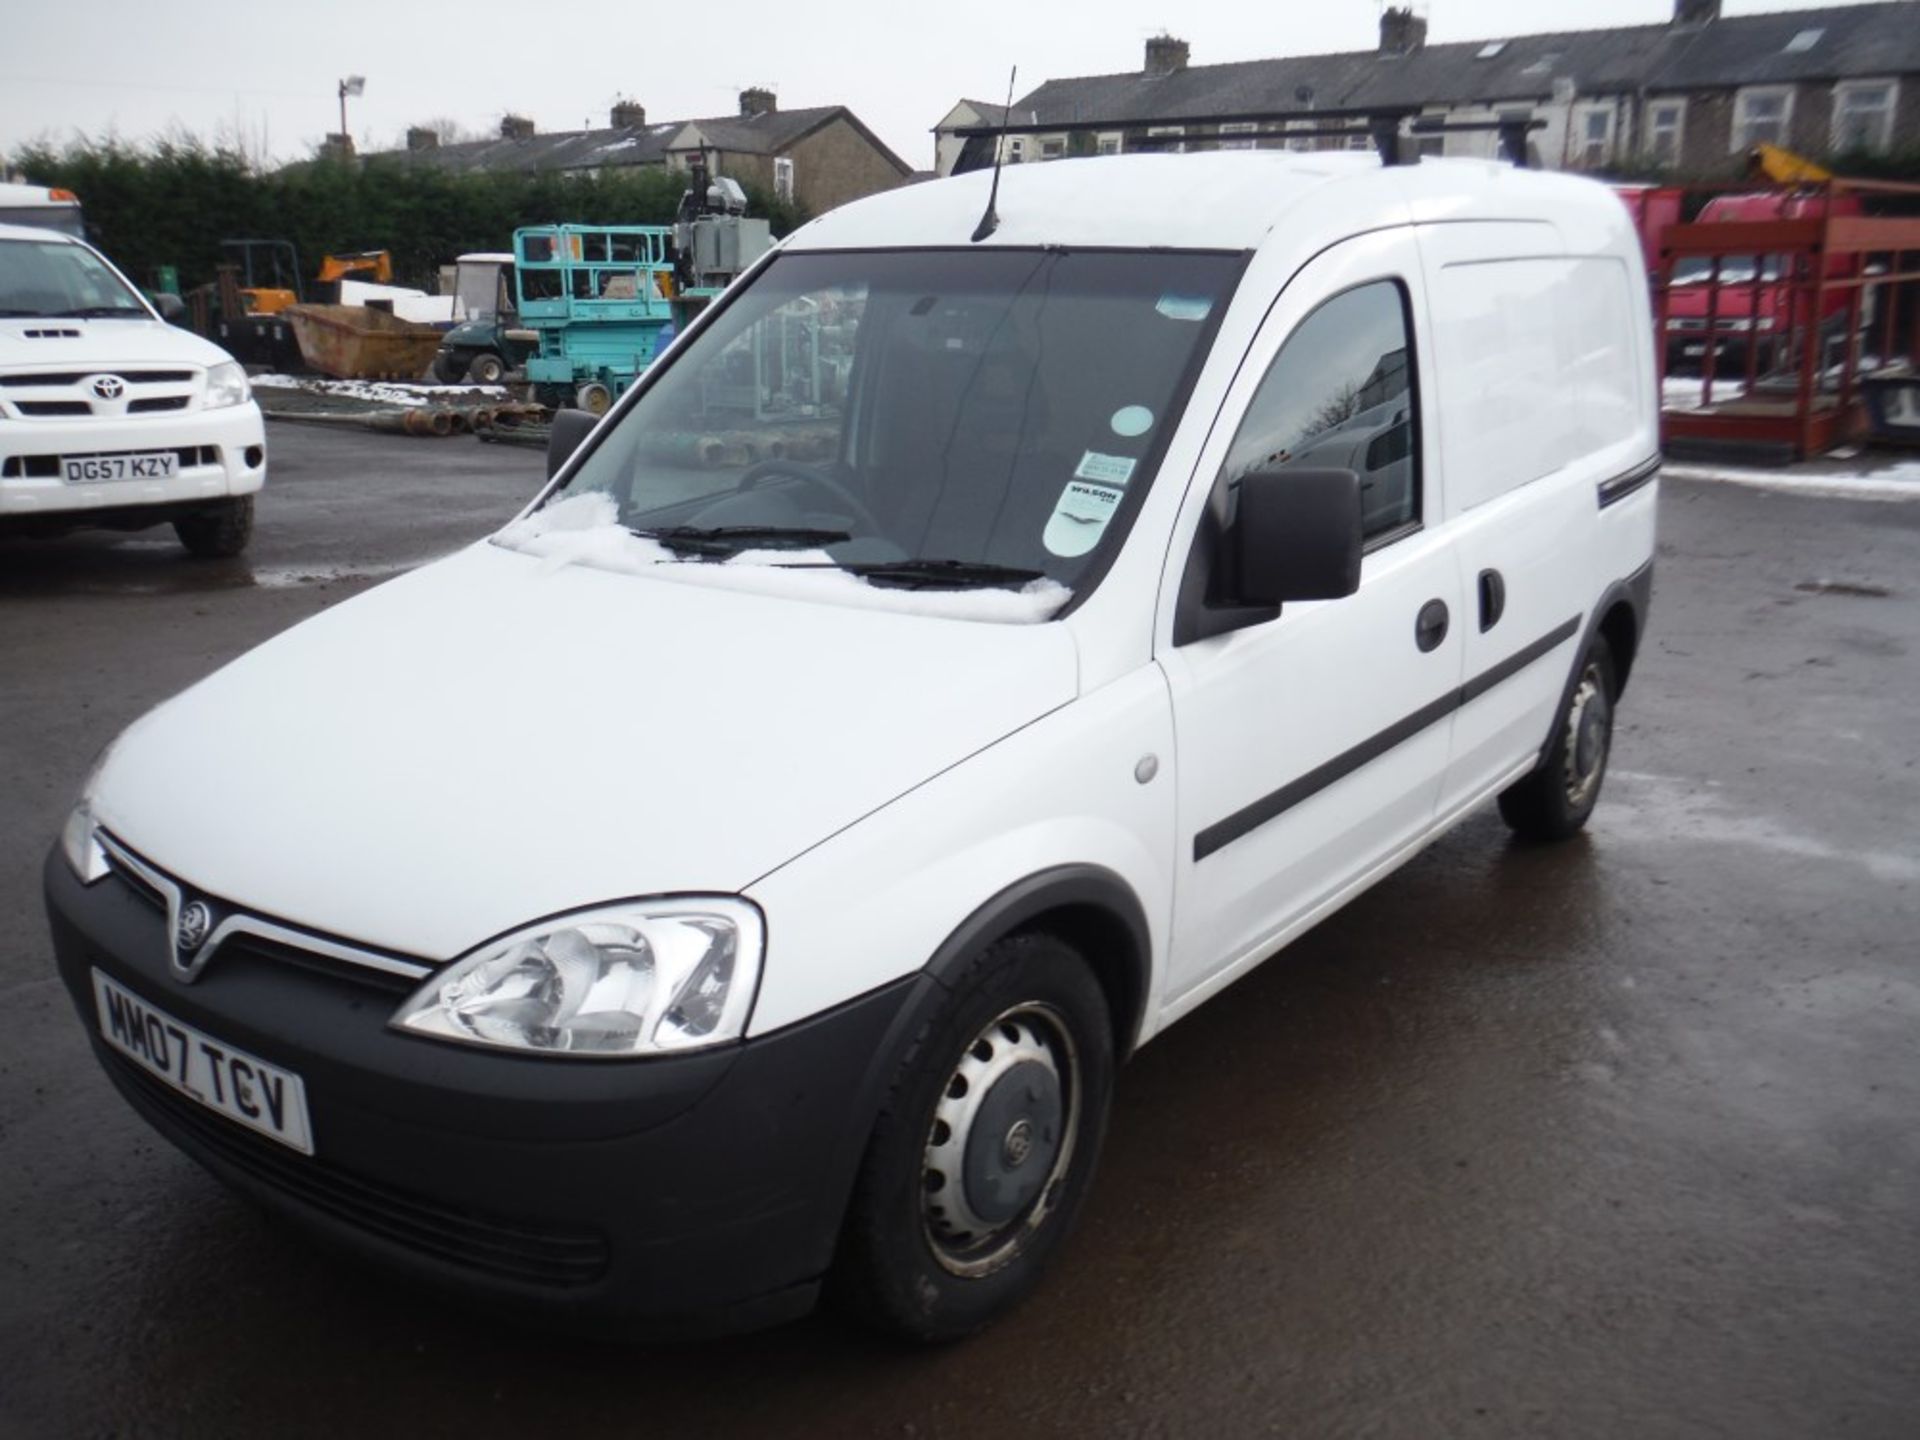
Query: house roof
point(1853, 40)
point(769, 133)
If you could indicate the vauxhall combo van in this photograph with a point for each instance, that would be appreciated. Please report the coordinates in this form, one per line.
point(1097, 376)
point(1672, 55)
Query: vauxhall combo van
point(738, 879)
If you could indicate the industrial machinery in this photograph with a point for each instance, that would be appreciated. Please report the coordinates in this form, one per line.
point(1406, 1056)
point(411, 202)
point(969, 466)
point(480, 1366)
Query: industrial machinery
point(598, 299)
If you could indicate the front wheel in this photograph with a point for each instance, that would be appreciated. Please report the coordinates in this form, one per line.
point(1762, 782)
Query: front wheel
point(1555, 800)
point(218, 532)
point(984, 1151)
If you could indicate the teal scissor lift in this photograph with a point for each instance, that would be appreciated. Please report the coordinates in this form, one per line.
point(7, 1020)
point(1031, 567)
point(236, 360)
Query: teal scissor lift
point(599, 300)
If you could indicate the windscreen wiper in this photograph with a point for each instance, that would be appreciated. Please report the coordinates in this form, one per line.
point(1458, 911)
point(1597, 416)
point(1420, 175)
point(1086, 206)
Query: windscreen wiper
point(944, 574)
point(727, 539)
point(99, 312)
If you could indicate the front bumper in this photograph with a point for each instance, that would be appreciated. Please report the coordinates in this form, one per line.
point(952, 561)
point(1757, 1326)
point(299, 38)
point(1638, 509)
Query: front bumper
point(222, 453)
point(686, 1194)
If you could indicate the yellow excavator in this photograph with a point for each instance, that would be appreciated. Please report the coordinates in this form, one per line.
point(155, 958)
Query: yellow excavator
point(374, 265)
point(1783, 167)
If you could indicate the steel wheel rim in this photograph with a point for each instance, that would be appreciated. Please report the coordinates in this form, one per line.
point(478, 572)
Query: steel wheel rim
point(1589, 736)
point(964, 1242)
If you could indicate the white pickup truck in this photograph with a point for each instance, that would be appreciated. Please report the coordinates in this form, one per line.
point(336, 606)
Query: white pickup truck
point(109, 417)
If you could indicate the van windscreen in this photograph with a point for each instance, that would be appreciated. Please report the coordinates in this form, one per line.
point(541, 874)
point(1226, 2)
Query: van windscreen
point(963, 418)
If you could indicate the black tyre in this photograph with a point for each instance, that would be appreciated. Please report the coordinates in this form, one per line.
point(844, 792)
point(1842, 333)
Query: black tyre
point(984, 1149)
point(487, 369)
point(1556, 799)
point(218, 532)
point(449, 367)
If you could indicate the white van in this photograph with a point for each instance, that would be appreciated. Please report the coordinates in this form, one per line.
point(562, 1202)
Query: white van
point(953, 663)
point(109, 416)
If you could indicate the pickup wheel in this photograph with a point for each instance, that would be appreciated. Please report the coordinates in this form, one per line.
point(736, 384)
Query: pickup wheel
point(1555, 800)
point(218, 532)
point(984, 1149)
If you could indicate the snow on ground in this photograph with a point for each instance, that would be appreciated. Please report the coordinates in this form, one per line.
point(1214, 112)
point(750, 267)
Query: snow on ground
point(585, 530)
point(385, 392)
point(1682, 392)
point(1899, 480)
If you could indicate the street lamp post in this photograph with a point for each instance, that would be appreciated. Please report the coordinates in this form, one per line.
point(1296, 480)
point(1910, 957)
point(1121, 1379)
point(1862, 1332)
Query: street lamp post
point(355, 85)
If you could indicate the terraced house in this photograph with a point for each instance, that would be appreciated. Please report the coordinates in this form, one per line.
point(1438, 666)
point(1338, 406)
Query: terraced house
point(1689, 95)
point(818, 157)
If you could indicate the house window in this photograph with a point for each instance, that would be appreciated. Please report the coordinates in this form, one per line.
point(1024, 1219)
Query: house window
point(1238, 128)
point(1052, 148)
point(1016, 151)
point(1665, 121)
point(783, 179)
point(1174, 147)
point(1761, 115)
point(1863, 114)
point(1108, 144)
point(1594, 137)
point(1305, 143)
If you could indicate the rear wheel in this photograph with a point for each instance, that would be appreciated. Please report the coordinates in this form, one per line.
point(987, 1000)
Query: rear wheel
point(218, 532)
point(487, 368)
point(983, 1153)
point(594, 398)
point(1555, 800)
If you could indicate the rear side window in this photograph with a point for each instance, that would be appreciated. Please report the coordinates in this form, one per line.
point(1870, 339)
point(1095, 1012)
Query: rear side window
point(1340, 396)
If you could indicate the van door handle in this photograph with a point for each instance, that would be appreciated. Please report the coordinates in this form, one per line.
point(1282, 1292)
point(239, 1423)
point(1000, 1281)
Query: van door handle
point(1430, 627)
point(1493, 599)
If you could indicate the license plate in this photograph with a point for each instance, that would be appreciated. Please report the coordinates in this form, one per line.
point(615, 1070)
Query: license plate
point(89, 469)
point(240, 1086)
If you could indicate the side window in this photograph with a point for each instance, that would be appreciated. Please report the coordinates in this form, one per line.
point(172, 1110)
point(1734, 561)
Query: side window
point(1340, 396)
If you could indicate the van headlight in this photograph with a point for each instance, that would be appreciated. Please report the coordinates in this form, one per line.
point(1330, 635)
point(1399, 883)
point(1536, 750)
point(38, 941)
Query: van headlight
point(227, 385)
point(80, 836)
point(80, 843)
point(644, 978)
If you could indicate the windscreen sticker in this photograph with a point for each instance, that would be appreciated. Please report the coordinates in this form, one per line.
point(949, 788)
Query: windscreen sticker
point(1107, 469)
point(1080, 517)
point(1131, 420)
point(1184, 307)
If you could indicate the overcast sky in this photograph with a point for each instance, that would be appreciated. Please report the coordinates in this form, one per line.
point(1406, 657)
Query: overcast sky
point(268, 72)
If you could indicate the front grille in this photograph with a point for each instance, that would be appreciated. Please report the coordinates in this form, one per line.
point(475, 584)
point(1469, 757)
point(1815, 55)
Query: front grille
point(259, 948)
point(155, 402)
point(53, 407)
point(529, 1252)
point(74, 377)
point(47, 467)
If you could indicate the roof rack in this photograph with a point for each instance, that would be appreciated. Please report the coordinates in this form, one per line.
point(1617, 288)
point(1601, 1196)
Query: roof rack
point(1388, 128)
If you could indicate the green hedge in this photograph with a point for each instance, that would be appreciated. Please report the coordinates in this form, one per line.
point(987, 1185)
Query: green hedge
point(172, 203)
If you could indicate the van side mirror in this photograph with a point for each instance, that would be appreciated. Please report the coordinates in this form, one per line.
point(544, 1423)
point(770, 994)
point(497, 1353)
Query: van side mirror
point(570, 428)
point(1296, 536)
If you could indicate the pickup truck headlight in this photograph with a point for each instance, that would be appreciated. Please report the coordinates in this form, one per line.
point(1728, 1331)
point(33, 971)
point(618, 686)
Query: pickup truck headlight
point(227, 385)
point(639, 979)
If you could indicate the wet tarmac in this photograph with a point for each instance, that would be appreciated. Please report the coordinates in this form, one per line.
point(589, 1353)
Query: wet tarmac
point(1611, 1139)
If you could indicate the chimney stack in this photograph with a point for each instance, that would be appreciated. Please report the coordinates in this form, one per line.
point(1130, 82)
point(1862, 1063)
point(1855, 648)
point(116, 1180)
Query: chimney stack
point(1401, 31)
point(423, 137)
point(1695, 12)
point(516, 127)
point(337, 147)
point(758, 101)
point(1166, 55)
point(627, 115)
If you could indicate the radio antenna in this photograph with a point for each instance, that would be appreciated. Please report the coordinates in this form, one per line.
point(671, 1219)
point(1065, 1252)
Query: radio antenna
point(990, 221)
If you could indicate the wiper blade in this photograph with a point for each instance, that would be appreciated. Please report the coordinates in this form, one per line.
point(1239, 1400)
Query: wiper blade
point(722, 539)
point(944, 574)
